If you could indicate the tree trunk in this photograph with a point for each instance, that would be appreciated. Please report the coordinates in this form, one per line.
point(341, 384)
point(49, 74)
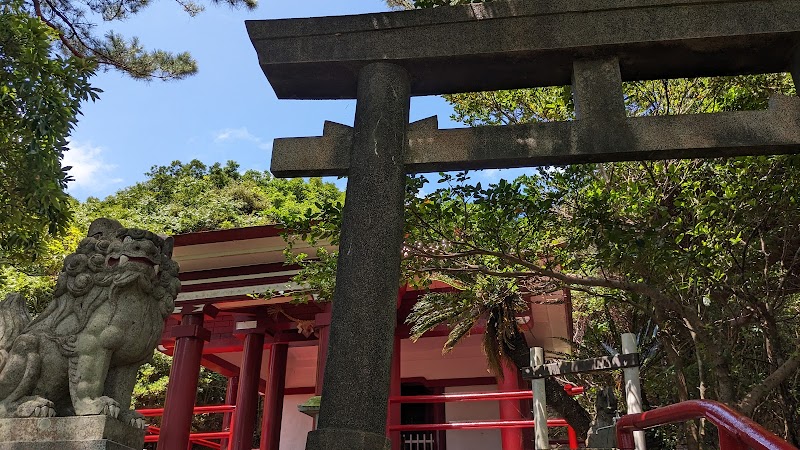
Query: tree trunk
point(566, 406)
point(690, 427)
point(761, 390)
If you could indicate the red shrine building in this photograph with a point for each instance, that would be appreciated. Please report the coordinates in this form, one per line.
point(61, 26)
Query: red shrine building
point(273, 352)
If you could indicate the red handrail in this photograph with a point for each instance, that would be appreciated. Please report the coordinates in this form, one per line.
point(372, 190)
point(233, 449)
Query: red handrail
point(570, 389)
point(477, 397)
point(736, 432)
point(205, 438)
point(483, 424)
point(462, 397)
point(153, 412)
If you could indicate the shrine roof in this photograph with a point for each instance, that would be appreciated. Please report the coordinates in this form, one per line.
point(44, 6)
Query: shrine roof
point(519, 43)
point(226, 267)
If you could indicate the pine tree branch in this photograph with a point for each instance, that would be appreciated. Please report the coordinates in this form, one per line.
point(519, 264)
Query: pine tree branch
point(37, 7)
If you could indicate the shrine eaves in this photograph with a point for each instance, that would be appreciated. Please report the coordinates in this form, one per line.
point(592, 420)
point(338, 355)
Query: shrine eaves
point(594, 45)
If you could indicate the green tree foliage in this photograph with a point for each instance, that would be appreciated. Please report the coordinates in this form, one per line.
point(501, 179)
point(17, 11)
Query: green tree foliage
point(707, 248)
point(35, 280)
point(40, 98)
point(699, 257)
point(151, 387)
point(175, 199)
point(187, 197)
point(49, 49)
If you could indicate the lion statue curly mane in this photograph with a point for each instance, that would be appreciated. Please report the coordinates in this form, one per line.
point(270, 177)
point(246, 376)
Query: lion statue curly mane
point(80, 356)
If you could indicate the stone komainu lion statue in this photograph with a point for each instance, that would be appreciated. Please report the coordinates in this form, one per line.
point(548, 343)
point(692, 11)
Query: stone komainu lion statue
point(80, 356)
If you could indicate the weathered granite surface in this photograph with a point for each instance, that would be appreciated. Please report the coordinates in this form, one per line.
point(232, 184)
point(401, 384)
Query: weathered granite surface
point(344, 439)
point(593, 44)
point(80, 356)
point(368, 271)
point(69, 433)
point(772, 131)
point(521, 43)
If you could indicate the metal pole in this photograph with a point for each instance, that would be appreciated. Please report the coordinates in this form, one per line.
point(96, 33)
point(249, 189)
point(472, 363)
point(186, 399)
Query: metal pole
point(542, 440)
point(633, 387)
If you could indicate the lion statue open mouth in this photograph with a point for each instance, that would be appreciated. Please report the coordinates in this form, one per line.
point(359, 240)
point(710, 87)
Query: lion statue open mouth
point(81, 355)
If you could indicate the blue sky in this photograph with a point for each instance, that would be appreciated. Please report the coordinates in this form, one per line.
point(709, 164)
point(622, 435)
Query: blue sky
point(226, 111)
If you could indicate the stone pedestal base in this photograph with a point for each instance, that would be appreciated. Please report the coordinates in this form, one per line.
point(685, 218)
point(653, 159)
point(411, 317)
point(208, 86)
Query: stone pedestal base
point(341, 439)
point(69, 433)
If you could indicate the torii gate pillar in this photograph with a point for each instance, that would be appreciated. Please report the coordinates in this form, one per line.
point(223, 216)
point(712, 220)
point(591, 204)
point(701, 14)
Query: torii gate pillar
point(368, 270)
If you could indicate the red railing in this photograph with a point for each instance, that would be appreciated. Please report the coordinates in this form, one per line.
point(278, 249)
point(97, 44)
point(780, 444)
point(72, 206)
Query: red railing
point(736, 432)
point(477, 396)
point(472, 425)
point(206, 439)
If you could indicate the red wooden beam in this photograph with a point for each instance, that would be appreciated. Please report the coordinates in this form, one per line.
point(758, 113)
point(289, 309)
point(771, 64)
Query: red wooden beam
point(477, 425)
point(234, 234)
point(237, 271)
point(511, 438)
point(462, 397)
point(452, 382)
point(308, 390)
point(182, 389)
point(210, 409)
point(227, 284)
point(273, 398)
point(231, 391)
point(220, 365)
point(393, 416)
point(476, 396)
point(247, 396)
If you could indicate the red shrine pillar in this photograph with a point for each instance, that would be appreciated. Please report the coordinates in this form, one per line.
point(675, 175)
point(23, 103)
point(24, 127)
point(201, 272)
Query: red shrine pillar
point(509, 409)
point(273, 398)
point(230, 399)
point(244, 422)
point(322, 321)
point(394, 418)
point(439, 416)
point(182, 389)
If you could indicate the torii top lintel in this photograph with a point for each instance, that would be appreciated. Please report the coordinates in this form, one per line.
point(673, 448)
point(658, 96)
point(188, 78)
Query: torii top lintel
point(519, 43)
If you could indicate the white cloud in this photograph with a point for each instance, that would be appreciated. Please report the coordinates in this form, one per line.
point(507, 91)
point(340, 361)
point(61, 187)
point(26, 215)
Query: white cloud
point(491, 174)
point(89, 168)
point(240, 134)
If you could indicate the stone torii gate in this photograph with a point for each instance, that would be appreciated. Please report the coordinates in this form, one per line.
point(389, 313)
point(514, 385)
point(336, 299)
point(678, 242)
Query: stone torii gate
point(383, 59)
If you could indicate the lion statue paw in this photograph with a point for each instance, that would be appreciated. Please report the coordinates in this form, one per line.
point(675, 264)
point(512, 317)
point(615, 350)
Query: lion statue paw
point(100, 405)
point(132, 418)
point(36, 407)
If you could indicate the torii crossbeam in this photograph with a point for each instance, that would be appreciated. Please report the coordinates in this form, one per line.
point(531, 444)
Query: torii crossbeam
point(383, 59)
